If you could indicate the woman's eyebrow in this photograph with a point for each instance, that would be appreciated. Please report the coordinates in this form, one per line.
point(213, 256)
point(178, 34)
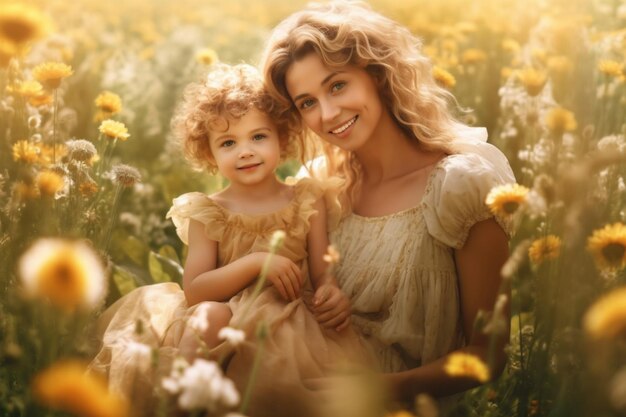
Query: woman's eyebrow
point(324, 81)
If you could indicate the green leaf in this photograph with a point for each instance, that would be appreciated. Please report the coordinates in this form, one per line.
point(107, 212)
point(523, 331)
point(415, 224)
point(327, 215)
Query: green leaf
point(156, 270)
point(164, 269)
point(169, 252)
point(124, 280)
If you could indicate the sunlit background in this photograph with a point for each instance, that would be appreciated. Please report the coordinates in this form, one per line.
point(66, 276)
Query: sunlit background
point(88, 171)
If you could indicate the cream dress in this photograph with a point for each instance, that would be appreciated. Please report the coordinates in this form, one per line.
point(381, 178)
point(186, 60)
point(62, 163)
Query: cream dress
point(398, 270)
point(294, 347)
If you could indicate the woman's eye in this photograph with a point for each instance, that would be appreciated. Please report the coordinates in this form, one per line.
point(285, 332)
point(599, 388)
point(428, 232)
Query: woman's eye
point(337, 86)
point(306, 103)
point(258, 137)
point(228, 143)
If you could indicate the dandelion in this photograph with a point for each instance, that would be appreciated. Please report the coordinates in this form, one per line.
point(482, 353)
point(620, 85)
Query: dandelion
point(559, 120)
point(67, 273)
point(21, 24)
point(125, 175)
point(50, 74)
point(114, 130)
point(443, 77)
point(278, 237)
point(608, 246)
point(109, 102)
point(206, 56)
point(606, 318)
point(81, 150)
point(611, 68)
point(505, 200)
point(49, 183)
point(28, 89)
point(467, 365)
point(88, 188)
point(332, 255)
point(201, 386)
point(24, 151)
point(234, 337)
point(544, 249)
point(473, 56)
point(532, 80)
point(68, 387)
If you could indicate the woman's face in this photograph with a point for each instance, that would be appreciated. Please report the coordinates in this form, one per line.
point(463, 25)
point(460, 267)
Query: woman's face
point(341, 105)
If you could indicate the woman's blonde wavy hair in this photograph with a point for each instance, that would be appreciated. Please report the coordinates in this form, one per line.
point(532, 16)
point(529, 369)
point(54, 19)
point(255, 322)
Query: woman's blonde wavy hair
point(227, 93)
point(350, 33)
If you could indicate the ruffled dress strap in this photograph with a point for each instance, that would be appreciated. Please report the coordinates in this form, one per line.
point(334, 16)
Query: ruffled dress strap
point(309, 190)
point(200, 207)
point(458, 187)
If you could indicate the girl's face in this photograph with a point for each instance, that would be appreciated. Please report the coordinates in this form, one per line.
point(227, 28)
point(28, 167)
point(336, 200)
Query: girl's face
point(248, 152)
point(341, 105)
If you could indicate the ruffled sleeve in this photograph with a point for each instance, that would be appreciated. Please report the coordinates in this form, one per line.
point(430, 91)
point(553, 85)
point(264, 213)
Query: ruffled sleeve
point(199, 207)
point(455, 198)
point(310, 190)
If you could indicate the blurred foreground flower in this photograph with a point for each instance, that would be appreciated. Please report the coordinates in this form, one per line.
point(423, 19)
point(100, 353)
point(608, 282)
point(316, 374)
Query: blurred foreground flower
point(201, 386)
point(233, 336)
point(505, 200)
point(608, 246)
point(467, 365)
point(66, 386)
point(544, 249)
point(50, 74)
point(606, 318)
point(114, 130)
point(21, 24)
point(68, 273)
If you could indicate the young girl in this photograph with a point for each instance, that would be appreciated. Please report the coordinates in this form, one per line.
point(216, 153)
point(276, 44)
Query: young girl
point(421, 252)
point(228, 123)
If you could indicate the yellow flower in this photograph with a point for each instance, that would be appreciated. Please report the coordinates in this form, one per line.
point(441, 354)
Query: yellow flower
point(109, 102)
point(21, 24)
point(207, 56)
point(41, 100)
point(608, 246)
point(474, 56)
point(49, 183)
point(26, 89)
point(68, 387)
point(560, 65)
point(67, 273)
point(467, 365)
point(114, 130)
point(606, 318)
point(510, 45)
point(558, 120)
point(506, 72)
point(50, 74)
point(544, 249)
point(505, 200)
point(443, 77)
point(611, 68)
point(7, 51)
point(532, 80)
point(88, 188)
point(25, 151)
point(24, 192)
point(49, 152)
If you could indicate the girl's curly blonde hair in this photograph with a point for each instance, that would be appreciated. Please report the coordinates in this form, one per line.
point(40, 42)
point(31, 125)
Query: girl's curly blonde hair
point(350, 33)
point(227, 93)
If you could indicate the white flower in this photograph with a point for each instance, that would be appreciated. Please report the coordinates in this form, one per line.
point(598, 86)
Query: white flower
point(140, 353)
point(233, 336)
point(277, 240)
point(199, 319)
point(202, 386)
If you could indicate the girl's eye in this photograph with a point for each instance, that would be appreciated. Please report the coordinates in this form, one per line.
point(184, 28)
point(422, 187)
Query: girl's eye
point(337, 86)
point(258, 136)
point(306, 103)
point(227, 143)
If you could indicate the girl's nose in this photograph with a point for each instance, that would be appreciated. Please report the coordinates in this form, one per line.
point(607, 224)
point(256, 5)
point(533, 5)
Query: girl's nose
point(329, 110)
point(245, 153)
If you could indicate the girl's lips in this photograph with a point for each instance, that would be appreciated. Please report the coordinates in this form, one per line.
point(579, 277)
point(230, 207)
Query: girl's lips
point(251, 166)
point(345, 127)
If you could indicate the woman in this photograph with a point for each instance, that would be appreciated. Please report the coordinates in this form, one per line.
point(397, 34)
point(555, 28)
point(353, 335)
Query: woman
point(421, 252)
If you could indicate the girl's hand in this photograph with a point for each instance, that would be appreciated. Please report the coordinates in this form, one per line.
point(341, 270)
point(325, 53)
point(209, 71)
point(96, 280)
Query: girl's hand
point(331, 307)
point(284, 275)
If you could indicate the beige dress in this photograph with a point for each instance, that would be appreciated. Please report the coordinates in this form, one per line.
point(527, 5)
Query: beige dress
point(399, 271)
point(295, 347)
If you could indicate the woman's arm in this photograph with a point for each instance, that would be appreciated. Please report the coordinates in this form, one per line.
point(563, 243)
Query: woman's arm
point(478, 265)
point(317, 243)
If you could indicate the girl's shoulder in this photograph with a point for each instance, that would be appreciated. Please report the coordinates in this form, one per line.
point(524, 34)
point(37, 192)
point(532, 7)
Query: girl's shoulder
point(199, 207)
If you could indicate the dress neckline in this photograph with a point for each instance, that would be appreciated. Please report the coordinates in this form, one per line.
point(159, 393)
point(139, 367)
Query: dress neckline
point(279, 211)
point(408, 210)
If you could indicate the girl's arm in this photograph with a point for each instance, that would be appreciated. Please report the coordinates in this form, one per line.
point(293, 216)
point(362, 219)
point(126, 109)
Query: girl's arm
point(331, 307)
point(203, 281)
point(478, 267)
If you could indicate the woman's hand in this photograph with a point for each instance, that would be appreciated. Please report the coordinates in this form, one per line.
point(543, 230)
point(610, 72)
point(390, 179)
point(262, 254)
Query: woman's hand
point(283, 274)
point(331, 307)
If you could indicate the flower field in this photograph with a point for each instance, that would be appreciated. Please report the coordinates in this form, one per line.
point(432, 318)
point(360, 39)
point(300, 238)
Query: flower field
point(88, 169)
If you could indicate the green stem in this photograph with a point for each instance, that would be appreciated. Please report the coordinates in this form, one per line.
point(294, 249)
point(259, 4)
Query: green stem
point(54, 126)
point(255, 368)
